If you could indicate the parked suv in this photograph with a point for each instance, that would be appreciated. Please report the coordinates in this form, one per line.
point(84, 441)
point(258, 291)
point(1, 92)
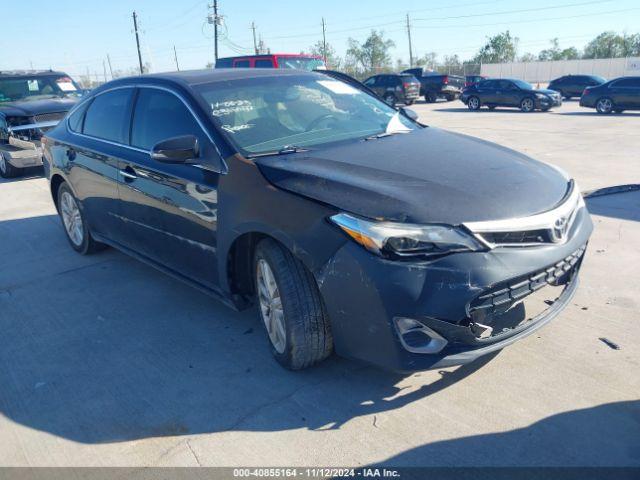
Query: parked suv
point(352, 227)
point(573, 85)
point(509, 93)
point(278, 60)
point(395, 88)
point(31, 102)
point(616, 95)
point(434, 85)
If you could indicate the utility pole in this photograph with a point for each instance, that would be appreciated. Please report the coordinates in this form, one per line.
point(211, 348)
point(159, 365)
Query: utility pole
point(324, 41)
point(135, 27)
point(255, 43)
point(215, 20)
point(110, 67)
point(104, 71)
point(175, 55)
point(410, 44)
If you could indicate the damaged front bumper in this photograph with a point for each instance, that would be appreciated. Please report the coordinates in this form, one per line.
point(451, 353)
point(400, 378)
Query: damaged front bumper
point(22, 153)
point(408, 316)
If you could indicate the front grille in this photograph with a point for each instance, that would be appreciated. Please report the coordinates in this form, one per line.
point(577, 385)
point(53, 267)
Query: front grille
point(49, 117)
point(505, 295)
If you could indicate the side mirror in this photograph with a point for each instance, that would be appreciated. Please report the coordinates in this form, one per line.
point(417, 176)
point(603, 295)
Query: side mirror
point(176, 149)
point(408, 112)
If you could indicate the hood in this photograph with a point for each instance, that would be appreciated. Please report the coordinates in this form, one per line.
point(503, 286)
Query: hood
point(546, 91)
point(428, 176)
point(29, 108)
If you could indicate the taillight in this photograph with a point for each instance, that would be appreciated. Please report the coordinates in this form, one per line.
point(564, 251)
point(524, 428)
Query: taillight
point(586, 90)
point(445, 80)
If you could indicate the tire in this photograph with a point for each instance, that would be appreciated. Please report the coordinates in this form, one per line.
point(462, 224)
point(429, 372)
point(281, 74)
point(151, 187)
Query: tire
point(431, 97)
point(604, 106)
point(71, 213)
point(304, 336)
point(473, 103)
point(450, 98)
point(408, 103)
point(527, 105)
point(390, 99)
point(6, 169)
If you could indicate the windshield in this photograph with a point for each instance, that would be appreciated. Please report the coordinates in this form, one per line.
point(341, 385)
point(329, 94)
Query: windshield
point(268, 114)
point(36, 87)
point(523, 85)
point(300, 63)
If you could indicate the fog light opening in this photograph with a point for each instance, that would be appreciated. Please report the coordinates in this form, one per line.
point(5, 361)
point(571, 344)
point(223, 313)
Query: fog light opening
point(418, 338)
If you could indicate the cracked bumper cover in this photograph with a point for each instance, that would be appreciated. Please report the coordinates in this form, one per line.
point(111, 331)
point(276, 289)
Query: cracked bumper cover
point(21, 153)
point(364, 293)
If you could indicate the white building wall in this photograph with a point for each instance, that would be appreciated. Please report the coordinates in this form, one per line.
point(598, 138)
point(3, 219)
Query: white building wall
point(546, 71)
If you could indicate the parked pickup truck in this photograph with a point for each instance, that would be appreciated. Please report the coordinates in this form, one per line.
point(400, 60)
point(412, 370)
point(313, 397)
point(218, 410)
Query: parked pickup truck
point(435, 85)
point(31, 103)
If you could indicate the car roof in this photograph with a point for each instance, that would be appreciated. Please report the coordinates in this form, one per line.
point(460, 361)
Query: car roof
point(199, 77)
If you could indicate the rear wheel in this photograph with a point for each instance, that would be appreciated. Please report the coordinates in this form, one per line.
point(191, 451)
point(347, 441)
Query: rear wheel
point(527, 105)
point(290, 307)
point(74, 223)
point(473, 103)
point(390, 99)
point(6, 169)
point(604, 106)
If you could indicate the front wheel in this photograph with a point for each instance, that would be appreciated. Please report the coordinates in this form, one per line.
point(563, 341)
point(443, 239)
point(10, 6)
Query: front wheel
point(527, 105)
point(6, 169)
point(473, 103)
point(604, 106)
point(74, 223)
point(290, 307)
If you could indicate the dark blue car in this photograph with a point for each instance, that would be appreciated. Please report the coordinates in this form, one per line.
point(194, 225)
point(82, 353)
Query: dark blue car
point(506, 92)
point(351, 227)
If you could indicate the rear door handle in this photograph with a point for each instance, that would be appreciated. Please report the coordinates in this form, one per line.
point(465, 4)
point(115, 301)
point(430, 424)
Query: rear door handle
point(129, 174)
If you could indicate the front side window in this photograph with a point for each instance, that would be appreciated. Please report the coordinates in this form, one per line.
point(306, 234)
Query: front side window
point(261, 115)
point(108, 116)
point(242, 64)
point(37, 87)
point(158, 116)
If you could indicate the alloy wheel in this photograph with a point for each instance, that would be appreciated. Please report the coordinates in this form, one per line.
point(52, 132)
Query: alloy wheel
point(527, 105)
point(605, 105)
point(271, 309)
point(474, 103)
point(71, 218)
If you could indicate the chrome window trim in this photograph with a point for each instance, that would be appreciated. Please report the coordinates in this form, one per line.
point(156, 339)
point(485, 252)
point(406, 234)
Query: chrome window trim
point(568, 209)
point(224, 169)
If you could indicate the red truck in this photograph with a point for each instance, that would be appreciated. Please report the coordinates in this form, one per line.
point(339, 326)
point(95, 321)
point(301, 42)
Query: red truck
point(275, 60)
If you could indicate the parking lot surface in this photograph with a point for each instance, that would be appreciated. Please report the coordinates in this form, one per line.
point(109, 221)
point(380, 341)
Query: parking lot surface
point(105, 361)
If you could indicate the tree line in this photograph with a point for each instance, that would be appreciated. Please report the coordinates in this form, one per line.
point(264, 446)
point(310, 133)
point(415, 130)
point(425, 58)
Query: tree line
point(374, 54)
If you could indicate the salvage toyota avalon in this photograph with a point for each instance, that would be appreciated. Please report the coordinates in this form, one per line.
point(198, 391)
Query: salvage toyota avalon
point(351, 227)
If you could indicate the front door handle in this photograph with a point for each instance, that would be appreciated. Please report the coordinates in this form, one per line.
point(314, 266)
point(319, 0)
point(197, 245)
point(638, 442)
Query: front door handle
point(129, 174)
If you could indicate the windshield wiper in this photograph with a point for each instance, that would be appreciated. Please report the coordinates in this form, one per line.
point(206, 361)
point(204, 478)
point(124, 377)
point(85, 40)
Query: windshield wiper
point(385, 134)
point(285, 150)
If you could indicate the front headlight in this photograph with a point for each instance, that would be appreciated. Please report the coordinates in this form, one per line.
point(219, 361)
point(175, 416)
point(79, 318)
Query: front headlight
point(400, 239)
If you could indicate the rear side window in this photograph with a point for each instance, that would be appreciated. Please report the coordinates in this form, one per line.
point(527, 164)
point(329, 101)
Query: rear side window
point(108, 116)
point(628, 82)
point(264, 63)
point(242, 64)
point(158, 116)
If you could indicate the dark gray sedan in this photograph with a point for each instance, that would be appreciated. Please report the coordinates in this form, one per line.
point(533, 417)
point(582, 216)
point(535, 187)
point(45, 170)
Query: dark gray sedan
point(350, 226)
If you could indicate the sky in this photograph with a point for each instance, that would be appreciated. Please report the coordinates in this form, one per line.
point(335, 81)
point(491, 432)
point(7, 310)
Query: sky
point(76, 36)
